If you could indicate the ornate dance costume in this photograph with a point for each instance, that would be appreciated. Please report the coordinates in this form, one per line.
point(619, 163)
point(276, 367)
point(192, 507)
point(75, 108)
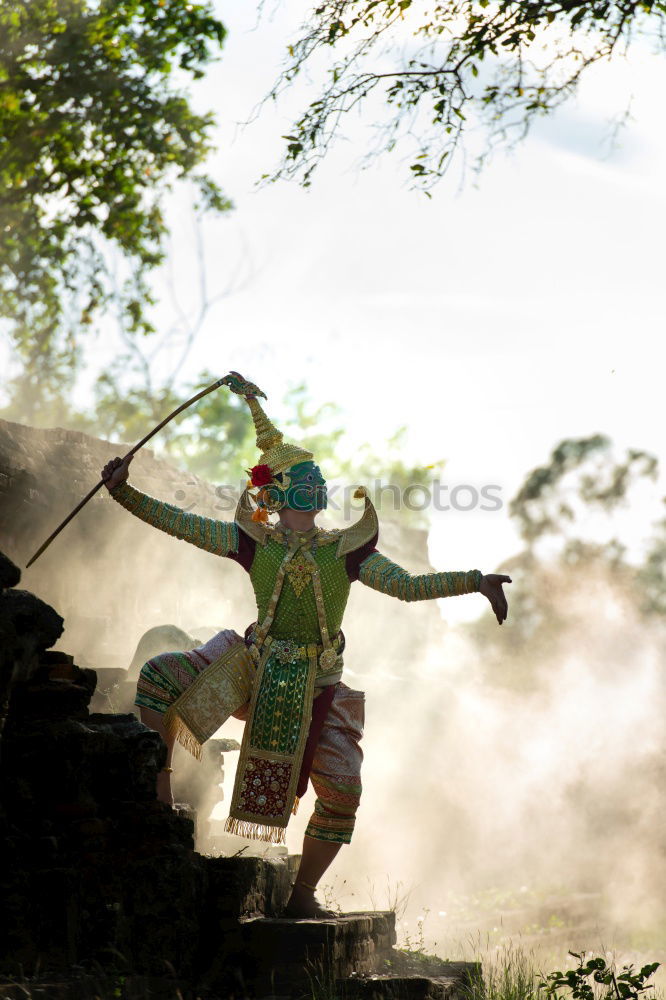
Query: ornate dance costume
point(283, 677)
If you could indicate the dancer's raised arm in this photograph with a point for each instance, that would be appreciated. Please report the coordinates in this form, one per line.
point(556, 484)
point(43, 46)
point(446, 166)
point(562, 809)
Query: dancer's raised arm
point(218, 537)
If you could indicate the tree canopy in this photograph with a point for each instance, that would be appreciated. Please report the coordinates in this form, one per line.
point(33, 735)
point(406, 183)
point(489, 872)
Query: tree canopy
point(94, 128)
point(423, 75)
point(578, 565)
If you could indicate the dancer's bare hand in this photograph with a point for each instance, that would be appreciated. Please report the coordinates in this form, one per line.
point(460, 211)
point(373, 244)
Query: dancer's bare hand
point(491, 587)
point(116, 472)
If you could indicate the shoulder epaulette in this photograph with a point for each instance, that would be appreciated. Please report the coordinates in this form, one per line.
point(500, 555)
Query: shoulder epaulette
point(356, 535)
point(243, 518)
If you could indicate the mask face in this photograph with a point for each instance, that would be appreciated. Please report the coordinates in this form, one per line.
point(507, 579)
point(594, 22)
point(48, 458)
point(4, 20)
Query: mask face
point(307, 489)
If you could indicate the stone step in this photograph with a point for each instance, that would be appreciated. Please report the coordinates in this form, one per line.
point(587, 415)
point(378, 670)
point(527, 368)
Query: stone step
point(241, 887)
point(442, 981)
point(284, 957)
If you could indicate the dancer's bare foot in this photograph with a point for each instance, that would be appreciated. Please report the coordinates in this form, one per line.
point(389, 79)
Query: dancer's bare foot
point(303, 905)
point(164, 793)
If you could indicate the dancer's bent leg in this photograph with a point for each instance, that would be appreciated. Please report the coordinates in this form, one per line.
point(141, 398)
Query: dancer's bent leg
point(336, 778)
point(163, 679)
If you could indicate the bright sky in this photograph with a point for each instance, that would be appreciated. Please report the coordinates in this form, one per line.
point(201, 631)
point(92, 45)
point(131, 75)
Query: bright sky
point(493, 320)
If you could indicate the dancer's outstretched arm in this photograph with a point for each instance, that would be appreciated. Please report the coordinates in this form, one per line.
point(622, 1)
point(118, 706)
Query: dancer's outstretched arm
point(219, 537)
point(380, 573)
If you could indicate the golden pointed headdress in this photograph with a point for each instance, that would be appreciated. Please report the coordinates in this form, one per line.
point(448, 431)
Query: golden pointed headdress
point(277, 454)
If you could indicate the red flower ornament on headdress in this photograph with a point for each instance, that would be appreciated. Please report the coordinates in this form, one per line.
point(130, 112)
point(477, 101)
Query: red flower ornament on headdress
point(261, 475)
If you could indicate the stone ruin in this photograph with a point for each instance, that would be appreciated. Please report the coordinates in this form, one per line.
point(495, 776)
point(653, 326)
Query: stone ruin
point(103, 892)
point(96, 872)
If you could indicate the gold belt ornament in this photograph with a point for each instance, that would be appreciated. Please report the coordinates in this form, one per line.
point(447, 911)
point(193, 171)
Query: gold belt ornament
point(289, 651)
point(328, 658)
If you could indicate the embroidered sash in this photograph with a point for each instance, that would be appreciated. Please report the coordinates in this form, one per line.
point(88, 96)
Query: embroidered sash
point(273, 744)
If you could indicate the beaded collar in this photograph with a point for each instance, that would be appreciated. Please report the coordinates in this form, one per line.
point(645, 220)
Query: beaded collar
point(320, 536)
point(292, 533)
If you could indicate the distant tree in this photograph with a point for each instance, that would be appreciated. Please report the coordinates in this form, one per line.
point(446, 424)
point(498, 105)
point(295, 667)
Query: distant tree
point(136, 389)
point(421, 74)
point(652, 573)
point(583, 479)
point(94, 129)
point(218, 443)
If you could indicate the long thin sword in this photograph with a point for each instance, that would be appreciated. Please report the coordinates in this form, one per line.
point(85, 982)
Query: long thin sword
point(183, 406)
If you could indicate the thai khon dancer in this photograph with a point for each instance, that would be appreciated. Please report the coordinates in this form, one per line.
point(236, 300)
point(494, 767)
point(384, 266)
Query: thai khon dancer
point(284, 676)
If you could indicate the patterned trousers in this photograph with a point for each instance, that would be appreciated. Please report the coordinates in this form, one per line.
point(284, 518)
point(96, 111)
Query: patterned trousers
point(336, 767)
